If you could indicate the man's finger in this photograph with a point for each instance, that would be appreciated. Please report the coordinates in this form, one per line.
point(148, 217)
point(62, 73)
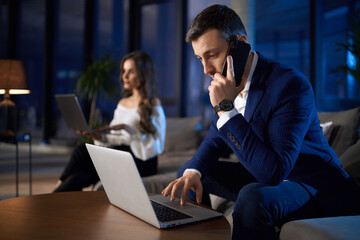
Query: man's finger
point(167, 190)
point(184, 194)
point(230, 69)
point(176, 187)
point(199, 192)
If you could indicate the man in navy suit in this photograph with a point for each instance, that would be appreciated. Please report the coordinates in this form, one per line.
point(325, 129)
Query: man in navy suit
point(286, 170)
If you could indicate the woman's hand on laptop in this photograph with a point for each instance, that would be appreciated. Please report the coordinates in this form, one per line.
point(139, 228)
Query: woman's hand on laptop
point(108, 128)
point(117, 127)
point(94, 136)
point(189, 180)
point(103, 129)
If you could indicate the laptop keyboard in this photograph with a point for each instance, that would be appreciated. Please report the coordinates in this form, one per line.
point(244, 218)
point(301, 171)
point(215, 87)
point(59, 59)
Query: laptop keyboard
point(165, 214)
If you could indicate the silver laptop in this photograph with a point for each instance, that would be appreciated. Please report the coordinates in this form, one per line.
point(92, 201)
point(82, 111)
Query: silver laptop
point(125, 189)
point(71, 112)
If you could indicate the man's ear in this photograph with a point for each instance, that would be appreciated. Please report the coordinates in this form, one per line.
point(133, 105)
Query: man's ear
point(242, 37)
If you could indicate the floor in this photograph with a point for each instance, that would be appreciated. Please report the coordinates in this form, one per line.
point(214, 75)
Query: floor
point(48, 161)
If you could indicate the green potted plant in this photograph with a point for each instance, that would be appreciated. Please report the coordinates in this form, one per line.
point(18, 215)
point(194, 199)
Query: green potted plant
point(98, 78)
point(353, 44)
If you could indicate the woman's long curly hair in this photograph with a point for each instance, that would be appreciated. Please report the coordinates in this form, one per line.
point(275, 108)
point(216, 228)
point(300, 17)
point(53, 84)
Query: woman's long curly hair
point(145, 71)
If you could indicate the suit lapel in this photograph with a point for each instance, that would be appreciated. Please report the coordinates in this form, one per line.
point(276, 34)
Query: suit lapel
point(257, 88)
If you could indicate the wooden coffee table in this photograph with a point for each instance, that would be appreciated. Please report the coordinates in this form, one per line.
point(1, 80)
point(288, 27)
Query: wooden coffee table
point(89, 215)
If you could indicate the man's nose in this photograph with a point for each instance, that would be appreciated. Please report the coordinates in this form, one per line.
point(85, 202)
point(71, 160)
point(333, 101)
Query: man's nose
point(208, 69)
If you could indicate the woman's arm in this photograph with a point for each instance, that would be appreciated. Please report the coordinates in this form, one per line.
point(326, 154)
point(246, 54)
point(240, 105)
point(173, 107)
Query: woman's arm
point(145, 146)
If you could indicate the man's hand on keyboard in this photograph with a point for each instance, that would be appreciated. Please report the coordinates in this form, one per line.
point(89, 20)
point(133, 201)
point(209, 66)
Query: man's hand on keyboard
point(190, 180)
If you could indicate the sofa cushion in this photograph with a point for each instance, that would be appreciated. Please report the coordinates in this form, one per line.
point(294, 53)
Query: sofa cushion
point(345, 130)
point(156, 183)
point(333, 228)
point(350, 161)
point(327, 128)
point(182, 133)
point(223, 206)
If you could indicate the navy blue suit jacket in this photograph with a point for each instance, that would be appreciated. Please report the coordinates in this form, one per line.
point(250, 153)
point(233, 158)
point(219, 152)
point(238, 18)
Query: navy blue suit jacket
point(279, 138)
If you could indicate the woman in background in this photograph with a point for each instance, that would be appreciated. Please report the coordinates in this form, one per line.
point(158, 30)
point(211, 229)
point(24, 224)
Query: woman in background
point(138, 126)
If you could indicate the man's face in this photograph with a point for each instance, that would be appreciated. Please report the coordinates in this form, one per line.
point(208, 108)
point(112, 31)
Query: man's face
point(211, 49)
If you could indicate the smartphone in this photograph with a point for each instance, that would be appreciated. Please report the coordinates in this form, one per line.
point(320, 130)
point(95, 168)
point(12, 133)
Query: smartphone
point(239, 51)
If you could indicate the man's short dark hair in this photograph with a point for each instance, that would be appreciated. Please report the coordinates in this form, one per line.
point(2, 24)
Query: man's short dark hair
point(219, 17)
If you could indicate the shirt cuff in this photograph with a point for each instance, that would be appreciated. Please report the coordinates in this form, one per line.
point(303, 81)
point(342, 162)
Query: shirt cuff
point(225, 117)
point(192, 170)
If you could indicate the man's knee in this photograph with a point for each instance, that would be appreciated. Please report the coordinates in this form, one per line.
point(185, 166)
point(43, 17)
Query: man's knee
point(251, 207)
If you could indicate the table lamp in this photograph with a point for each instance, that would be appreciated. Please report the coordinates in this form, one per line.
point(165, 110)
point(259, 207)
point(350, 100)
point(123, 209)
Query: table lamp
point(12, 81)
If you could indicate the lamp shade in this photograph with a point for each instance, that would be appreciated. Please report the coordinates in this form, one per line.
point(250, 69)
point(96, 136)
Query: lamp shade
point(12, 81)
point(12, 77)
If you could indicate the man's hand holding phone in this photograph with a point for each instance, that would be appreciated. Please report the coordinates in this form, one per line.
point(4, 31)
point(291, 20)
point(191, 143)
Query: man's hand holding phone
point(224, 87)
point(239, 50)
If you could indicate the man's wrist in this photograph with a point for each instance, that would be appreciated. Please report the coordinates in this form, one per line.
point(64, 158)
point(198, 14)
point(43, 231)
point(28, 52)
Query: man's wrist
point(223, 106)
point(219, 113)
point(192, 170)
